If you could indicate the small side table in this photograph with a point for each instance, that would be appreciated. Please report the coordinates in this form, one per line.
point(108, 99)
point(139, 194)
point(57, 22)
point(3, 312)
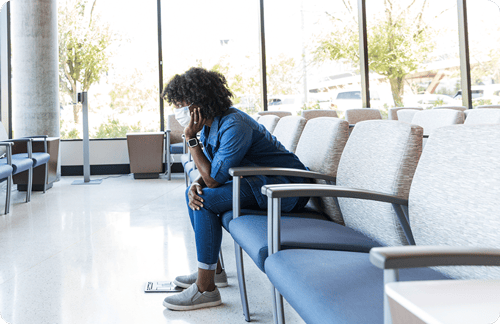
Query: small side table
point(21, 179)
point(145, 151)
point(445, 301)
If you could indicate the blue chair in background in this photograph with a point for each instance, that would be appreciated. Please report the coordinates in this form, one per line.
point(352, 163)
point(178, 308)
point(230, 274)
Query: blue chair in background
point(6, 172)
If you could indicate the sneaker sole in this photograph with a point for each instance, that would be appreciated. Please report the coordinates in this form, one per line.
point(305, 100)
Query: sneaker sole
point(221, 284)
point(191, 307)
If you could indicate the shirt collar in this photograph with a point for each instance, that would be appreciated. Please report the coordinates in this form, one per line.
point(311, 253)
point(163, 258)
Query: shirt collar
point(214, 130)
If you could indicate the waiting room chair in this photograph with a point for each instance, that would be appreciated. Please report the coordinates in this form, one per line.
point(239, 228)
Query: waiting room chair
point(354, 116)
point(174, 143)
point(6, 172)
point(432, 119)
point(279, 113)
point(454, 210)
point(22, 161)
point(314, 113)
point(406, 115)
point(393, 112)
point(334, 286)
point(482, 116)
point(488, 107)
point(269, 122)
point(288, 131)
point(320, 148)
point(460, 108)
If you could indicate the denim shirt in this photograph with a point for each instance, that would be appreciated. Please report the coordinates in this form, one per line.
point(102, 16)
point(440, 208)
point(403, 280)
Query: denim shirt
point(235, 140)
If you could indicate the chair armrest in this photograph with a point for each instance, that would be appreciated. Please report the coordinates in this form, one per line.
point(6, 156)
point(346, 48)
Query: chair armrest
point(321, 190)
point(8, 147)
point(400, 257)
point(29, 144)
point(271, 171)
point(37, 136)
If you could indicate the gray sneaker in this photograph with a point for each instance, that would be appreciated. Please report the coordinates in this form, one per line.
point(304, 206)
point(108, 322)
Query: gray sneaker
point(187, 281)
point(191, 298)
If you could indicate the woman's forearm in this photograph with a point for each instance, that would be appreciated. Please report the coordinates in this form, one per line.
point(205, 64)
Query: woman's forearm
point(204, 167)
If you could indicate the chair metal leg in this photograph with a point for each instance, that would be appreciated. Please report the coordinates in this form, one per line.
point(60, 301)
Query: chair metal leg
point(241, 281)
point(7, 195)
point(221, 259)
point(46, 177)
point(280, 312)
point(30, 184)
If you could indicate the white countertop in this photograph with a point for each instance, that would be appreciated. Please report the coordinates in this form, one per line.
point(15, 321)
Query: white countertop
point(450, 301)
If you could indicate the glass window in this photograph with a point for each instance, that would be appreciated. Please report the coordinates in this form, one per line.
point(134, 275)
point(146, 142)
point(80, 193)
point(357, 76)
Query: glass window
point(484, 49)
point(109, 49)
point(413, 53)
point(312, 50)
point(219, 35)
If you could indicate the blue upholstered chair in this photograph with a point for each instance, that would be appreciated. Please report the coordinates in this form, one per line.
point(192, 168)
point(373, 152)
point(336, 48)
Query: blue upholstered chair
point(39, 158)
point(320, 147)
point(6, 172)
point(452, 202)
point(20, 162)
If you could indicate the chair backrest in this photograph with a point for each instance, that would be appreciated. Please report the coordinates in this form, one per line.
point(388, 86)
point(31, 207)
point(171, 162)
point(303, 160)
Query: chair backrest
point(315, 113)
point(460, 108)
point(393, 112)
point(354, 116)
point(435, 118)
point(269, 122)
point(380, 155)
point(488, 107)
point(288, 131)
point(454, 196)
point(482, 116)
point(279, 113)
point(406, 115)
point(320, 148)
point(176, 130)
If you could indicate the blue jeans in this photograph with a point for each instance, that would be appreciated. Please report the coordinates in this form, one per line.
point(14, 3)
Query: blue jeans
point(207, 224)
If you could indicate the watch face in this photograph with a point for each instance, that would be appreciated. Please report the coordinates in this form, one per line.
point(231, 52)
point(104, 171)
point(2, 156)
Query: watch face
point(193, 142)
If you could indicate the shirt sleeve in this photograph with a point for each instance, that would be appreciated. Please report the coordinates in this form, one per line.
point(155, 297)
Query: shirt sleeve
point(235, 141)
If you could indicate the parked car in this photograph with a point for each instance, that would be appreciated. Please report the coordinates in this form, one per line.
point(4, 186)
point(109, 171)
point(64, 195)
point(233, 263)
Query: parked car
point(426, 100)
point(350, 99)
point(483, 94)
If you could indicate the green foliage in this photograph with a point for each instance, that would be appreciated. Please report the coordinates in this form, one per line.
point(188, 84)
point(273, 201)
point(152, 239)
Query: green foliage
point(397, 44)
point(83, 48)
point(113, 129)
point(481, 102)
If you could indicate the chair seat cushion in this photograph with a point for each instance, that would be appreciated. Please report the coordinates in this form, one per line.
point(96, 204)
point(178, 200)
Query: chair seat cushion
point(19, 163)
point(185, 159)
point(194, 174)
point(5, 170)
point(334, 286)
point(177, 148)
point(39, 158)
point(250, 232)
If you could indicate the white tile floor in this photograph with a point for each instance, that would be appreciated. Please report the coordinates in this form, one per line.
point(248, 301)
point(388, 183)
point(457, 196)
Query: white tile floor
point(82, 254)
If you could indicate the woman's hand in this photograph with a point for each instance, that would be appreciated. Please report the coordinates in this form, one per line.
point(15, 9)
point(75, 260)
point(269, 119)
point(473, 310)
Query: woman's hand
point(195, 124)
point(195, 201)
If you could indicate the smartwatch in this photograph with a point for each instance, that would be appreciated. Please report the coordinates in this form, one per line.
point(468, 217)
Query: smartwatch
point(192, 142)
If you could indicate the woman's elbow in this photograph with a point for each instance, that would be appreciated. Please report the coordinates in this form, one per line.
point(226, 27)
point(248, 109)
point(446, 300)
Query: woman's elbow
point(211, 183)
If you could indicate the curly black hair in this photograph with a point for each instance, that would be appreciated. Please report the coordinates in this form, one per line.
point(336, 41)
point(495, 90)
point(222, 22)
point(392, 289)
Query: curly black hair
point(206, 89)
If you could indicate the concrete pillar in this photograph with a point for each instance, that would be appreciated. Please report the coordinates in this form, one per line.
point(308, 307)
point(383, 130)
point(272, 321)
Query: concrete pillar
point(35, 81)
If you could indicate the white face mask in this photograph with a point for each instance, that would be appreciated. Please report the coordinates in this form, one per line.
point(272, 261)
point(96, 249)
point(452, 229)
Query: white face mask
point(183, 115)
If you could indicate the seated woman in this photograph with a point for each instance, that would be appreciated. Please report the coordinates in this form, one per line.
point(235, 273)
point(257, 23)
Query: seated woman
point(230, 138)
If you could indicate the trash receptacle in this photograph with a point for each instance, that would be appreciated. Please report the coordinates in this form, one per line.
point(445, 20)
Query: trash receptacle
point(145, 151)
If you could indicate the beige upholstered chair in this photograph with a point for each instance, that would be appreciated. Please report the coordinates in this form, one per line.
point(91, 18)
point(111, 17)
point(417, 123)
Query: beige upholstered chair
point(393, 112)
point(482, 116)
point(269, 122)
point(279, 113)
point(488, 106)
point(406, 115)
point(288, 131)
point(435, 118)
point(314, 113)
point(461, 108)
point(353, 116)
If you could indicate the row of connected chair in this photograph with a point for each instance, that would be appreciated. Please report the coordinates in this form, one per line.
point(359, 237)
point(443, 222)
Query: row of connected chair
point(332, 281)
point(13, 164)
